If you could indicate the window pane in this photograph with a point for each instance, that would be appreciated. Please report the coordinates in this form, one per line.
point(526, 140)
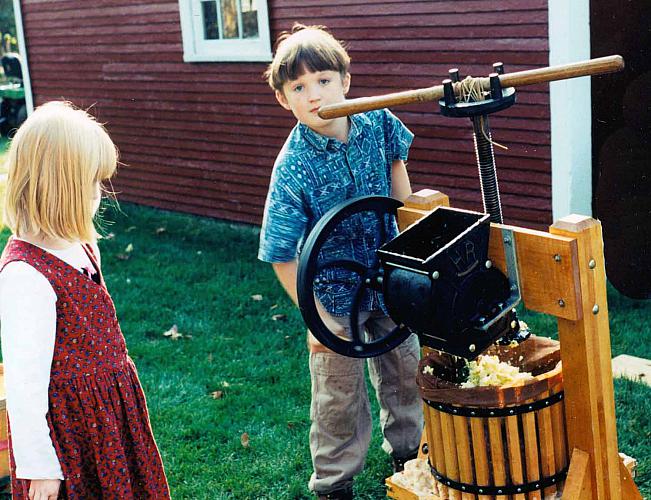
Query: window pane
point(210, 26)
point(249, 19)
point(229, 19)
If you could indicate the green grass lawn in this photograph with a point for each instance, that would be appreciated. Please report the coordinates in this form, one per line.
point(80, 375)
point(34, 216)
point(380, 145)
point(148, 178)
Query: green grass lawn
point(201, 274)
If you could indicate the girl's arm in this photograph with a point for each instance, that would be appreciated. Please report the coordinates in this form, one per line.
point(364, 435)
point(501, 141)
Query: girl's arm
point(28, 330)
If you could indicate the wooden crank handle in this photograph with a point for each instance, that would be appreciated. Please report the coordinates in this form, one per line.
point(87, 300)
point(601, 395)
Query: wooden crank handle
point(601, 65)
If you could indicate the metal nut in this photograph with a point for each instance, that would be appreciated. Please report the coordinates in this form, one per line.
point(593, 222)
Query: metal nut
point(472, 348)
point(435, 275)
point(488, 264)
point(592, 264)
point(561, 302)
point(595, 309)
point(557, 258)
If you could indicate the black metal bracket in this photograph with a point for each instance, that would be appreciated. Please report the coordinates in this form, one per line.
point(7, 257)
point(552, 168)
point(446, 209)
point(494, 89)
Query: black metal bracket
point(508, 411)
point(507, 489)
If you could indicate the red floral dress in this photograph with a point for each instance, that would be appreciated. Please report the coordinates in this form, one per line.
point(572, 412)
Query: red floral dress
point(97, 415)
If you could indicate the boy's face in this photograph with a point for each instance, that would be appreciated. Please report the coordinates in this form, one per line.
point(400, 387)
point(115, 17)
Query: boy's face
point(305, 95)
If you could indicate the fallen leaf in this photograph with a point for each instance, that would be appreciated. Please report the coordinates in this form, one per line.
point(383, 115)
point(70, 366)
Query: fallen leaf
point(109, 236)
point(123, 256)
point(129, 248)
point(210, 357)
point(129, 229)
point(225, 384)
point(217, 394)
point(173, 333)
point(278, 317)
point(273, 307)
point(160, 230)
point(244, 439)
point(257, 297)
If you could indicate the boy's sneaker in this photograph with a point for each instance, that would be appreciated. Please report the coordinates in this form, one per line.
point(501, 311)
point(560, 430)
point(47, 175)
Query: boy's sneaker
point(342, 494)
point(399, 462)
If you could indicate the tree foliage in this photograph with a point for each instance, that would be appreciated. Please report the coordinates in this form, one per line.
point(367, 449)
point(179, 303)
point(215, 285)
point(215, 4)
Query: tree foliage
point(7, 19)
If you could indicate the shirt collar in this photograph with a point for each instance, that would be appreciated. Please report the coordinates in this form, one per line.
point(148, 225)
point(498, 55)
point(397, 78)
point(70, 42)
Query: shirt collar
point(321, 142)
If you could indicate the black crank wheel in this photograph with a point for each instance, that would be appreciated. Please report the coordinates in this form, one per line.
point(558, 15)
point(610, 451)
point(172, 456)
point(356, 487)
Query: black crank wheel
point(309, 268)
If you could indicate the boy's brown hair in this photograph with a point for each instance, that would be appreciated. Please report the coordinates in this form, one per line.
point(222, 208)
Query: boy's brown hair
point(305, 48)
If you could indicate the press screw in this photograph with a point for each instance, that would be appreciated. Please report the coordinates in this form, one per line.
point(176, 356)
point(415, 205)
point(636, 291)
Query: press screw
point(561, 302)
point(472, 348)
point(435, 275)
point(557, 258)
point(595, 309)
point(488, 264)
point(592, 264)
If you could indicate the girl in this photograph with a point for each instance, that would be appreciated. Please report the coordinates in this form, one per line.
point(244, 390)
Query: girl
point(79, 426)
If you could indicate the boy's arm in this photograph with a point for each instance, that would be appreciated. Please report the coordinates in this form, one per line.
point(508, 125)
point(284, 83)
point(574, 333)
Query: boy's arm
point(286, 274)
point(400, 185)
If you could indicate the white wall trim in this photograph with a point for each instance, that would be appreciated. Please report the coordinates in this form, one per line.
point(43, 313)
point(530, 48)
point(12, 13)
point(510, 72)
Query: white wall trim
point(22, 48)
point(571, 114)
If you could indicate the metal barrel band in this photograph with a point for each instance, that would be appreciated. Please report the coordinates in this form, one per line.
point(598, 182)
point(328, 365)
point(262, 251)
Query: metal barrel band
point(509, 489)
point(509, 411)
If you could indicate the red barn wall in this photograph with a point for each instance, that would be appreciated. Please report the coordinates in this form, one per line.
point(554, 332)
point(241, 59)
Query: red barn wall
point(202, 137)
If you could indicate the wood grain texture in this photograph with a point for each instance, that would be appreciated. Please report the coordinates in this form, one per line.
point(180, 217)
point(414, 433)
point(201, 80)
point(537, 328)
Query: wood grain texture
point(123, 59)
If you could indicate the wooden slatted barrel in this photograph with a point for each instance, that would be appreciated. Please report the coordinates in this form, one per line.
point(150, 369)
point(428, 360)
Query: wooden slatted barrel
point(508, 443)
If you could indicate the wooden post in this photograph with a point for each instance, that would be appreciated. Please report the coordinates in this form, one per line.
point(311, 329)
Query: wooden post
point(585, 351)
point(420, 204)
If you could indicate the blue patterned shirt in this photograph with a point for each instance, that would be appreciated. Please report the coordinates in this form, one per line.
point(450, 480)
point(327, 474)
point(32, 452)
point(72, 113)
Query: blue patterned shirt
point(314, 173)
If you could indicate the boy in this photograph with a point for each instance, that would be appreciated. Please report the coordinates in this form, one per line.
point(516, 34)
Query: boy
point(323, 163)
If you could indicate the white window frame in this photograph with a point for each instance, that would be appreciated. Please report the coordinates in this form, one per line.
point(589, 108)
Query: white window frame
point(196, 49)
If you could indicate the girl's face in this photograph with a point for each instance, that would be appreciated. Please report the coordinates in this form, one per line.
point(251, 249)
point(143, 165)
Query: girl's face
point(97, 196)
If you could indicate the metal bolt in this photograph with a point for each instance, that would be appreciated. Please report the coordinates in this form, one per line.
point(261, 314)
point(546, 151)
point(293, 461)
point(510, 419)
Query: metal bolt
point(367, 281)
point(595, 309)
point(592, 264)
point(435, 275)
point(507, 241)
point(557, 258)
point(561, 302)
point(488, 264)
point(472, 348)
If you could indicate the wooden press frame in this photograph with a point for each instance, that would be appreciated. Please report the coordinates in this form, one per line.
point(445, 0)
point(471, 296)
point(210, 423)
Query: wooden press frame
point(562, 273)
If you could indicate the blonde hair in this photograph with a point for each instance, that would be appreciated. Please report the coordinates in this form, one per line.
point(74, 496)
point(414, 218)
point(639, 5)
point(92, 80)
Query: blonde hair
point(305, 48)
point(54, 162)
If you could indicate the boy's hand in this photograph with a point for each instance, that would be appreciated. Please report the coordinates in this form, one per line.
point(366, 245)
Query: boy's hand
point(335, 327)
point(44, 489)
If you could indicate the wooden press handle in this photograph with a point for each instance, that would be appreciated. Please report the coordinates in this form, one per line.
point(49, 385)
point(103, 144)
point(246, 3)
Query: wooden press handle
point(597, 66)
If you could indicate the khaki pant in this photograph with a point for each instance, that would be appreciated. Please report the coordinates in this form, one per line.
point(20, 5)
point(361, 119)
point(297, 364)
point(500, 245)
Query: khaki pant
point(340, 411)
